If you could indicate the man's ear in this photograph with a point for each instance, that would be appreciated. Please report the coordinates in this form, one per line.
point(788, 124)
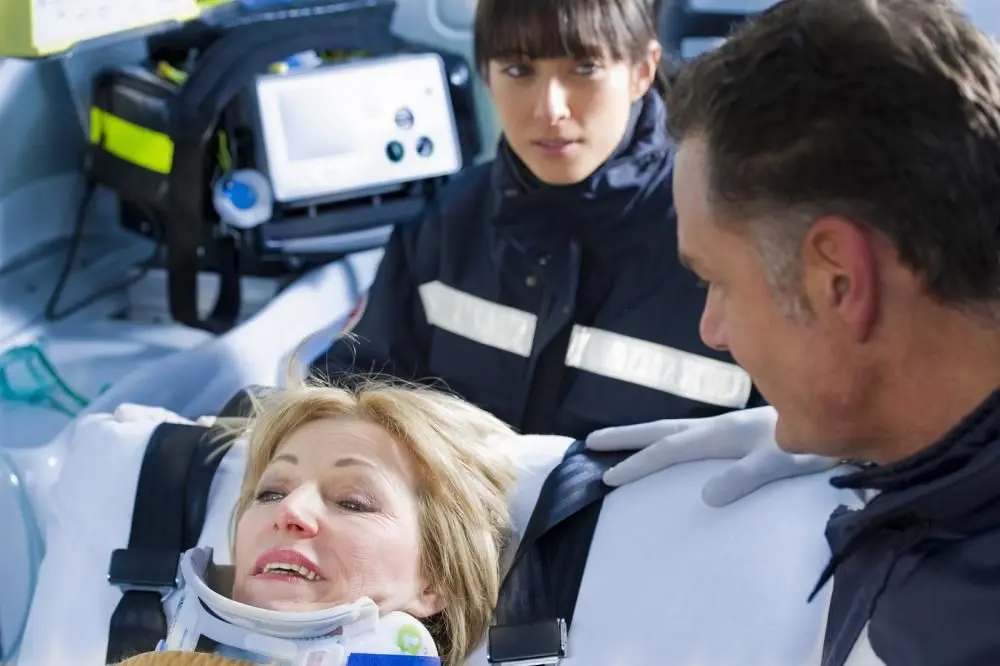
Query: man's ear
point(842, 274)
point(645, 71)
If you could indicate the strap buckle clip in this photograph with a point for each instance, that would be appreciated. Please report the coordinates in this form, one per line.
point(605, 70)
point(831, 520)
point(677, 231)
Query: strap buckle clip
point(541, 643)
point(144, 570)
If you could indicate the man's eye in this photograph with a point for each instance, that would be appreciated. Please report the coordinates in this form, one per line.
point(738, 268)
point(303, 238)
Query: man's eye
point(587, 68)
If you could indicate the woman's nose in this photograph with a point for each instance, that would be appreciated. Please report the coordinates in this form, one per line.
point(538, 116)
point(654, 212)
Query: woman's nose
point(553, 103)
point(297, 513)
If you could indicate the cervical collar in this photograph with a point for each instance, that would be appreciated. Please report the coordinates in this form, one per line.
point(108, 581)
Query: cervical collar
point(347, 635)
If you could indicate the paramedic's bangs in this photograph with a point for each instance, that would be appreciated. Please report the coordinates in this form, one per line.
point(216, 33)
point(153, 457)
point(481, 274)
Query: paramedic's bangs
point(579, 29)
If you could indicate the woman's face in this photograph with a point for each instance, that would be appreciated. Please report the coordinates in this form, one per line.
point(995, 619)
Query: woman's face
point(335, 518)
point(564, 117)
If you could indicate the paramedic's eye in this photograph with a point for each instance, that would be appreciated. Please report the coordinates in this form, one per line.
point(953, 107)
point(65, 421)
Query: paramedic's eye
point(517, 71)
point(267, 496)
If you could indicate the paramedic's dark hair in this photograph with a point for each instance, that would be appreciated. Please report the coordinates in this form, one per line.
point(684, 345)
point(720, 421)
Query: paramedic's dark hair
point(886, 112)
point(617, 29)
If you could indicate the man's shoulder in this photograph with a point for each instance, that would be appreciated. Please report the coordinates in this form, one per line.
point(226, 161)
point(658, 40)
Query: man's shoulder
point(942, 597)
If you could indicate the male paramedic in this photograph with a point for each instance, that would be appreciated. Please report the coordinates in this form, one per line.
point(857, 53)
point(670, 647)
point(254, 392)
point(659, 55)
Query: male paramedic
point(838, 191)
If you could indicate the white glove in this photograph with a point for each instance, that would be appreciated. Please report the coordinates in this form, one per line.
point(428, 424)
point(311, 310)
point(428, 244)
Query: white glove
point(128, 411)
point(746, 436)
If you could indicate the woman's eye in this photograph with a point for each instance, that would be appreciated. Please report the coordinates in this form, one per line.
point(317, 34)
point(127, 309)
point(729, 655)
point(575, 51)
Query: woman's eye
point(357, 506)
point(516, 71)
point(587, 68)
point(267, 496)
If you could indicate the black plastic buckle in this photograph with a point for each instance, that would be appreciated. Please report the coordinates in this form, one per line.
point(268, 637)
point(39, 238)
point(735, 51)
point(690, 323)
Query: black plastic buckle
point(144, 570)
point(535, 644)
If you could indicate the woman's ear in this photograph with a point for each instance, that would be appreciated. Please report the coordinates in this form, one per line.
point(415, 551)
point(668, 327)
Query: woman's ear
point(426, 604)
point(645, 71)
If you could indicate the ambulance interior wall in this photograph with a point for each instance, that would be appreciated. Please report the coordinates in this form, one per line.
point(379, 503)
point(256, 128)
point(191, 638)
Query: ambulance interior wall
point(43, 150)
point(43, 108)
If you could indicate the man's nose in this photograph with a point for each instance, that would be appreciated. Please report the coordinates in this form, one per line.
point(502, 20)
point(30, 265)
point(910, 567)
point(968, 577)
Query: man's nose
point(553, 102)
point(297, 513)
point(712, 327)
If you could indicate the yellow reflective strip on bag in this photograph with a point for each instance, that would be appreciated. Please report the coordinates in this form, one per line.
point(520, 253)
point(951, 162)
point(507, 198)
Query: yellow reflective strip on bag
point(133, 143)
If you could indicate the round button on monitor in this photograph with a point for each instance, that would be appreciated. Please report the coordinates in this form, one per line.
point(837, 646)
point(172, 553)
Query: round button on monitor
point(404, 118)
point(425, 146)
point(394, 151)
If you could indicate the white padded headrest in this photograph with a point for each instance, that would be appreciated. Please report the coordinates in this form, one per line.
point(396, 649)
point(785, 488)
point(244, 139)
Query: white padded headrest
point(91, 517)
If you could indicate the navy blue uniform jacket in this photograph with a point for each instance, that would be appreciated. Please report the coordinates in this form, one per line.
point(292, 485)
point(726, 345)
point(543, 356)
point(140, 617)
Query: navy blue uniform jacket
point(917, 571)
point(559, 309)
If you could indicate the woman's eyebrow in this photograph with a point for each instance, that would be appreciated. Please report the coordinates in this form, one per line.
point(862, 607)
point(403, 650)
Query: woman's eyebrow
point(286, 457)
point(348, 461)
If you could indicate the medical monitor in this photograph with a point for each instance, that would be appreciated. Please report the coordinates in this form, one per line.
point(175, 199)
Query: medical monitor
point(356, 127)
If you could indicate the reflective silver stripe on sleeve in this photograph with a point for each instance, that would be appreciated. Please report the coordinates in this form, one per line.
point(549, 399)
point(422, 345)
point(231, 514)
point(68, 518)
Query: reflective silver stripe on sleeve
point(477, 319)
point(658, 367)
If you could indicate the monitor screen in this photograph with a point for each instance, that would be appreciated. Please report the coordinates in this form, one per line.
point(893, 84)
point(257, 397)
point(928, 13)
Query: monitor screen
point(307, 119)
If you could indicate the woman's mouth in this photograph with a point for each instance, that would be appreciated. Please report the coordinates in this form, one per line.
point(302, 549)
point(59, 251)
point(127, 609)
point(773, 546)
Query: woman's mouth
point(554, 147)
point(283, 569)
point(285, 565)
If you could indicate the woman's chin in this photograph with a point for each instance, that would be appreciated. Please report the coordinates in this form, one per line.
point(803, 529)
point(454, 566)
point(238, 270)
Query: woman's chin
point(284, 598)
point(295, 605)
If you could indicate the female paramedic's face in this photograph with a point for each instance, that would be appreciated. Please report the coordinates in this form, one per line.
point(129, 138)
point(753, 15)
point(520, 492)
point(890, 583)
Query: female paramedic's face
point(564, 117)
point(335, 518)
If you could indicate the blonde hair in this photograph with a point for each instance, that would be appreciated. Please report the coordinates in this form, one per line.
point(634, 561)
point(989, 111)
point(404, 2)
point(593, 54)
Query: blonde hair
point(464, 519)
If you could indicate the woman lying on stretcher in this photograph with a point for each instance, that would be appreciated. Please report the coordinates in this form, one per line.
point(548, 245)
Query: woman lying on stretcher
point(369, 522)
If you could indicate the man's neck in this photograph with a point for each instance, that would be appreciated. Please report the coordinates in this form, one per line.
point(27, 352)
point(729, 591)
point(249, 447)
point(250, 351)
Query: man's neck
point(936, 387)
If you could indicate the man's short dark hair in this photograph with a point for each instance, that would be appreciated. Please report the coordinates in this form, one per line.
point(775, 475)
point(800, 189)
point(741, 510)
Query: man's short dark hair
point(886, 112)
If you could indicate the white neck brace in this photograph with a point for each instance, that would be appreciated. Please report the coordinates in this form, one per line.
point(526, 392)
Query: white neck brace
point(326, 637)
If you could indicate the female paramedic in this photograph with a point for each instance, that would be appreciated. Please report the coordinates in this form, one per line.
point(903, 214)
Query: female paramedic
point(544, 286)
point(369, 523)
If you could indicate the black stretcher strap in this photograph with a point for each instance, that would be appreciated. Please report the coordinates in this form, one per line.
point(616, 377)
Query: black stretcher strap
point(538, 597)
point(171, 503)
